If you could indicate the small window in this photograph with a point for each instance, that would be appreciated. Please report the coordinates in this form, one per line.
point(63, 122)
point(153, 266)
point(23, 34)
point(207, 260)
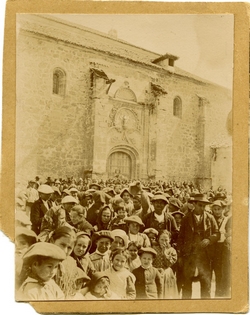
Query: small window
point(177, 107)
point(171, 62)
point(59, 82)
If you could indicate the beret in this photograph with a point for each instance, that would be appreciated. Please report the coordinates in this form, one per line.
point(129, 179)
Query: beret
point(46, 250)
point(151, 230)
point(103, 233)
point(69, 199)
point(45, 189)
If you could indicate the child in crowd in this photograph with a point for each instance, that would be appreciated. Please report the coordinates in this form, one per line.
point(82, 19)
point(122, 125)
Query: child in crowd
point(78, 219)
point(178, 216)
point(81, 253)
point(24, 238)
point(104, 218)
point(100, 258)
point(133, 260)
point(128, 203)
point(120, 240)
point(149, 281)
point(165, 259)
point(152, 235)
point(118, 222)
point(42, 260)
point(134, 224)
point(99, 288)
point(65, 238)
point(122, 281)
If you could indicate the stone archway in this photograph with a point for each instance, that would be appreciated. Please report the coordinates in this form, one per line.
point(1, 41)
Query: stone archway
point(122, 162)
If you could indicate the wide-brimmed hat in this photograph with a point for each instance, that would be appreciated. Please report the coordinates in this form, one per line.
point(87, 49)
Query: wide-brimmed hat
point(69, 199)
point(159, 197)
point(134, 219)
point(46, 250)
point(200, 198)
point(45, 189)
point(147, 250)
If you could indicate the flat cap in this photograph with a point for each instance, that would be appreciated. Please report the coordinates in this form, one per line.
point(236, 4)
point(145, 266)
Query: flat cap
point(45, 189)
point(27, 232)
point(149, 250)
point(103, 233)
point(46, 250)
point(151, 230)
point(159, 197)
point(69, 199)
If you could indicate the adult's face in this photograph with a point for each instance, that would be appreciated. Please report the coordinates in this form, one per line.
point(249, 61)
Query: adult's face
point(199, 207)
point(45, 196)
point(68, 206)
point(159, 205)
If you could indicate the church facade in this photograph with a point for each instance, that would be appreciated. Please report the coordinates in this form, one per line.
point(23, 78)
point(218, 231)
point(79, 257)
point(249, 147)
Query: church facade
point(90, 104)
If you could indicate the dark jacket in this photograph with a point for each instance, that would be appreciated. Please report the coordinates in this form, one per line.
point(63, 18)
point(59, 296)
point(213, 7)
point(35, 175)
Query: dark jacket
point(186, 239)
point(168, 224)
point(37, 213)
point(148, 283)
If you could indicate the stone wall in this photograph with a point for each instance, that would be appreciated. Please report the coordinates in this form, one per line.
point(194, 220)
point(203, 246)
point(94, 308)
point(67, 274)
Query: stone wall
point(67, 135)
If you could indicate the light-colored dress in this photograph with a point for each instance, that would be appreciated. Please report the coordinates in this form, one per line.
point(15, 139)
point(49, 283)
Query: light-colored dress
point(32, 290)
point(122, 282)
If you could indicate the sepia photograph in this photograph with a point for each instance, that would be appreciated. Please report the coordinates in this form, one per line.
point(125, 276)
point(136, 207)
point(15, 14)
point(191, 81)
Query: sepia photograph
point(123, 157)
point(124, 167)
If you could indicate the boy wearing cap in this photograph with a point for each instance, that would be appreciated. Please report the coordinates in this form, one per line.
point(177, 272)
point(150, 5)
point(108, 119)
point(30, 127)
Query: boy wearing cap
point(41, 262)
point(198, 232)
point(100, 258)
point(159, 219)
point(149, 282)
point(134, 224)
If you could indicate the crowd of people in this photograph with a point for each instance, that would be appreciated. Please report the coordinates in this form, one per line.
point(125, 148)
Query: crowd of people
point(119, 239)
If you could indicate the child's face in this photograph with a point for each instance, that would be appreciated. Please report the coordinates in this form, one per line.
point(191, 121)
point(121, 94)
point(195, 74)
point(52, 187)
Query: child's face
point(152, 238)
point(101, 287)
point(66, 243)
point(119, 262)
point(178, 218)
point(106, 215)
point(217, 211)
point(164, 240)
point(146, 260)
point(46, 269)
point(134, 228)
point(117, 243)
point(81, 246)
point(133, 251)
point(137, 204)
point(75, 217)
point(22, 243)
point(103, 244)
point(121, 213)
point(126, 196)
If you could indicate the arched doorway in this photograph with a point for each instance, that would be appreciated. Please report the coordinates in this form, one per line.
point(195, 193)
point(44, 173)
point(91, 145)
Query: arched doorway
point(119, 164)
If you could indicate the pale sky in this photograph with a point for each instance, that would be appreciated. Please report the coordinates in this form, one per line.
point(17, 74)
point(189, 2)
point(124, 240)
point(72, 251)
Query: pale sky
point(203, 43)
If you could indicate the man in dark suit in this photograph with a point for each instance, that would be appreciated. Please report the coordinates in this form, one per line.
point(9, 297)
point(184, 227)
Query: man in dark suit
point(40, 207)
point(198, 233)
